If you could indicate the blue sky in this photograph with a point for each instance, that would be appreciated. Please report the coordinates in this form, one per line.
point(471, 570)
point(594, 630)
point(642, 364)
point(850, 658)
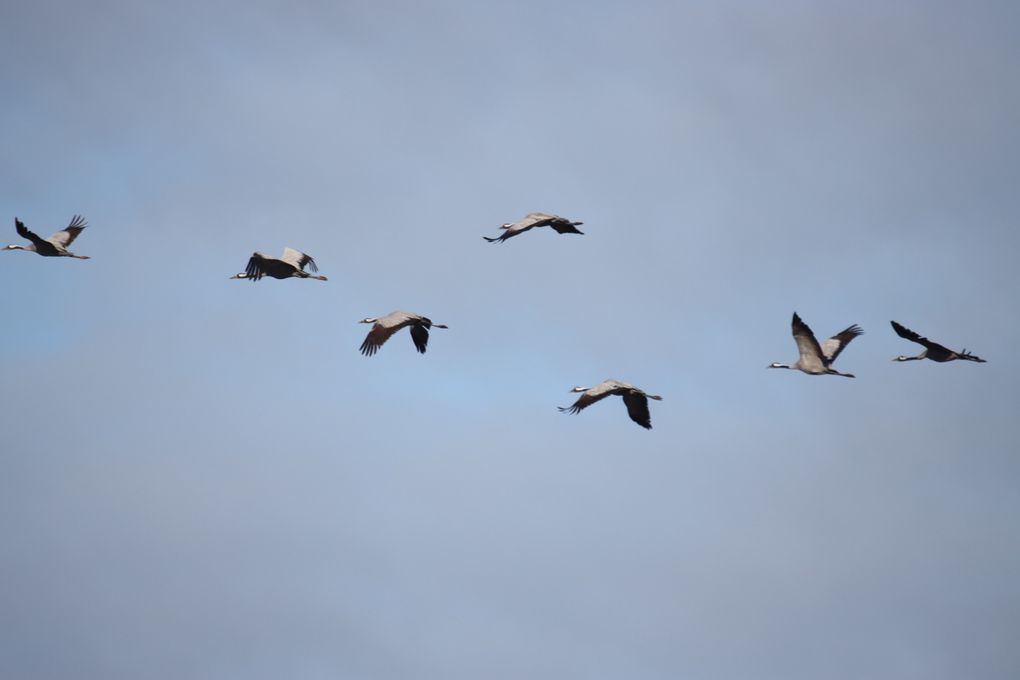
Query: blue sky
point(204, 479)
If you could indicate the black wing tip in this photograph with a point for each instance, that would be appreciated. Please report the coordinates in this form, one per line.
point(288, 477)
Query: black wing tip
point(899, 328)
point(647, 424)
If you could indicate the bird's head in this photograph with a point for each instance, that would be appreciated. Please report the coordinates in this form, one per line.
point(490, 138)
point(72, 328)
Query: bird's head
point(13, 247)
point(579, 389)
point(901, 358)
point(369, 320)
point(776, 364)
point(242, 275)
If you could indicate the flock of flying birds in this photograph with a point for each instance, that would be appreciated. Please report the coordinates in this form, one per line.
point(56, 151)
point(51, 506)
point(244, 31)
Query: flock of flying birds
point(815, 358)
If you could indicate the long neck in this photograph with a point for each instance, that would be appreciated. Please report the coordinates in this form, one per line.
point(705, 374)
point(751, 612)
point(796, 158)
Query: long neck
point(917, 358)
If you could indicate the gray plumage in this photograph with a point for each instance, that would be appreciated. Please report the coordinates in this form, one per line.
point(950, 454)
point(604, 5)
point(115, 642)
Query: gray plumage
point(636, 400)
point(560, 225)
point(384, 327)
point(932, 350)
point(54, 246)
point(817, 359)
point(289, 265)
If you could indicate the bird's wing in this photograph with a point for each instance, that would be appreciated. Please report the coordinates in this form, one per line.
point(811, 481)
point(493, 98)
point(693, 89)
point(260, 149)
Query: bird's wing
point(565, 226)
point(66, 236)
point(837, 343)
point(537, 219)
point(531, 220)
point(420, 337)
point(382, 330)
point(256, 268)
point(589, 397)
point(511, 230)
point(517, 228)
point(299, 259)
point(908, 334)
point(637, 408)
point(810, 352)
point(24, 232)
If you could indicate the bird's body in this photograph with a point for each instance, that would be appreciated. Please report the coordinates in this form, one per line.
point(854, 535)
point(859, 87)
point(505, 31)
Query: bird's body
point(54, 246)
point(817, 359)
point(290, 265)
point(636, 400)
point(385, 326)
point(932, 350)
point(536, 219)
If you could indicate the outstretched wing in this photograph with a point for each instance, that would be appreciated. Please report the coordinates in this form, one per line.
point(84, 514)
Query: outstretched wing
point(511, 230)
point(537, 219)
point(908, 334)
point(565, 226)
point(936, 351)
point(811, 356)
point(837, 343)
point(383, 329)
point(299, 259)
point(637, 408)
point(256, 268)
point(24, 232)
point(420, 337)
point(597, 393)
point(66, 236)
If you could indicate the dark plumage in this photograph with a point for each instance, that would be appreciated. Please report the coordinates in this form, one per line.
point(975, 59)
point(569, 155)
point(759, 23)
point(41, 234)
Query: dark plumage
point(932, 350)
point(290, 265)
point(54, 246)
